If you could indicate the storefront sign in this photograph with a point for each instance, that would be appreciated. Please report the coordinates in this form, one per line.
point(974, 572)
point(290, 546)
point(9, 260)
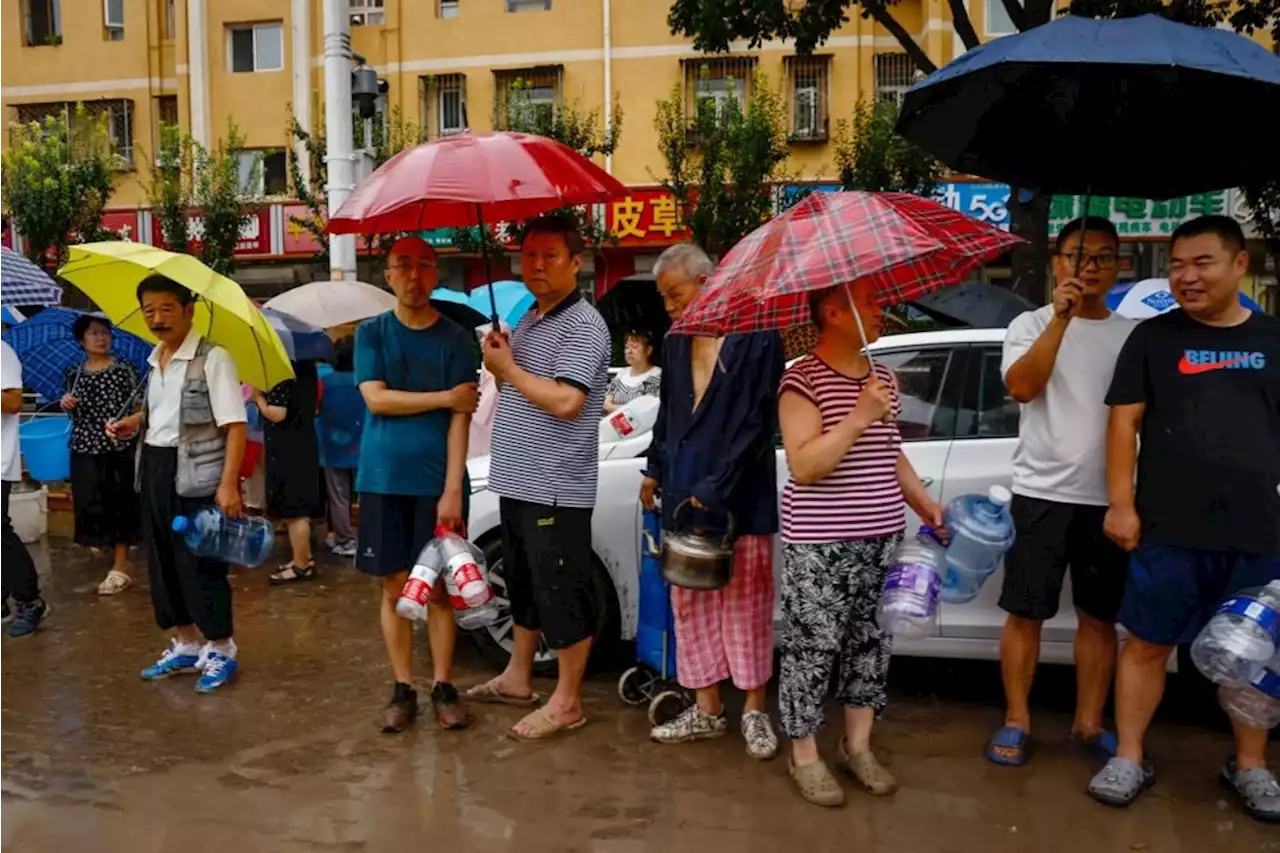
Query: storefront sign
point(645, 218)
point(255, 234)
point(122, 222)
point(298, 238)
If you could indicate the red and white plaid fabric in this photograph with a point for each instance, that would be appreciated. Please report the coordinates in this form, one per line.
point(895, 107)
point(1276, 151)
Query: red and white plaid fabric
point(729, 632)
point(905, 245)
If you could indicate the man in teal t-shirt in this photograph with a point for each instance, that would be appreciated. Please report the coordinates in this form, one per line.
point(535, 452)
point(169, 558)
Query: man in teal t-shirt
point(417, 372)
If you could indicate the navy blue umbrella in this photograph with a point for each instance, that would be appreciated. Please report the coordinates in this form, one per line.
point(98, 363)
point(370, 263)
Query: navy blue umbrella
point(47, 347)
point(1140, 107)
point(302, 341)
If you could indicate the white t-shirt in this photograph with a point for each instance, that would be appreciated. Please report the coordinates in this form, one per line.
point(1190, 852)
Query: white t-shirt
point(1062, 434)
point(10, 377)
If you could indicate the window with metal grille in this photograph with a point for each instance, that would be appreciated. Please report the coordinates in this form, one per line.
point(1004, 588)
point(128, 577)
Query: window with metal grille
point(526, 99)
point(261, 172)
point(895, 72)
point(42, 22)
point(807, 85)
point(164, 110)
point(528, 5)
point(366, 13)
point(255, 47)
point(118, 119)
point(113, 19)
point(718, 82)
point(446, 8)
point(442, 104)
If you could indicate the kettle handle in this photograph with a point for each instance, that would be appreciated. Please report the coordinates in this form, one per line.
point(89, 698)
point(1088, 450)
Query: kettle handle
point(730, 521)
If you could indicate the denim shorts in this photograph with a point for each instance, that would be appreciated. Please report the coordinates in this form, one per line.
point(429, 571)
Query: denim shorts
point(1171, 592)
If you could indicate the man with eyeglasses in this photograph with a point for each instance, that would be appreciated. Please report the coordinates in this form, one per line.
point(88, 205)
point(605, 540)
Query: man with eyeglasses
point(1058, 362)
point(417, 372)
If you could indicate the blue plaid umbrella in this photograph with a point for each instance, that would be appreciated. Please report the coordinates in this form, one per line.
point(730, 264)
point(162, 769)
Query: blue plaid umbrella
point(302, 341)
point(24, 283)
point(47, 348)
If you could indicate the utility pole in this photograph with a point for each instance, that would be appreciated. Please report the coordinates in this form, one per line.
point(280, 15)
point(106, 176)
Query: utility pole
point(338, 135)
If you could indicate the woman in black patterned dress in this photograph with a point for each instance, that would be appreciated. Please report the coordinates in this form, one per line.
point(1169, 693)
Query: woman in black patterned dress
point(106, 506)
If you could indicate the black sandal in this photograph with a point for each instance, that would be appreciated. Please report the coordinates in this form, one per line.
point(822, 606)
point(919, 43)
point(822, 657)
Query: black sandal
point(292, 573)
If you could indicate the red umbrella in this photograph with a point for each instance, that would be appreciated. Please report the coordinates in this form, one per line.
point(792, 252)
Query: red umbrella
point(467, 179)
point(905, 245)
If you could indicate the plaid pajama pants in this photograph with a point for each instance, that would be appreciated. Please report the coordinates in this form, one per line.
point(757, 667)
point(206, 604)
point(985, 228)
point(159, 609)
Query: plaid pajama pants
point(728, 632)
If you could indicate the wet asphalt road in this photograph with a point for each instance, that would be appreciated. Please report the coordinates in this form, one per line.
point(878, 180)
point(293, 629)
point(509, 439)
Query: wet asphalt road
point(288, 760)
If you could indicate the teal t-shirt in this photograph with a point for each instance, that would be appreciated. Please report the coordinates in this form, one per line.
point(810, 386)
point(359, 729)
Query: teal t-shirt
point(407, 454)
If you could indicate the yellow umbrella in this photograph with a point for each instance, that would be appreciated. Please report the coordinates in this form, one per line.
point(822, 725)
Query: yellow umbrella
point(109, 274)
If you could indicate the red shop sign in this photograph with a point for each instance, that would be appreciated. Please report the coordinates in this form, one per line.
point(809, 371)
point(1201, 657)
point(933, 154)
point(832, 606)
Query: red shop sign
point(255, 234)
point(645, 218)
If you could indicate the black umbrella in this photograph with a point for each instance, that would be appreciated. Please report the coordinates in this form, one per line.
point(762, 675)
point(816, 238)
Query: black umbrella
point(634, 303)
point(983, 306)
point(1140, 107)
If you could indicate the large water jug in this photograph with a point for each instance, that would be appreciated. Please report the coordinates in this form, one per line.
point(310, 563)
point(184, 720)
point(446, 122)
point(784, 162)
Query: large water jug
point(244, 541)
point(1242, 637)
point(909, 603)
point(1256, 704)
point(981, 532)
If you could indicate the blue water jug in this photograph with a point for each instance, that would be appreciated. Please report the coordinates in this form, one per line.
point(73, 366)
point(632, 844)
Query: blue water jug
point(244, 541)
point(981, 532)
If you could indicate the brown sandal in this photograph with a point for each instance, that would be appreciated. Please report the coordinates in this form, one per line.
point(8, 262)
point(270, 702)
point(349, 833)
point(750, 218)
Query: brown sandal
point(489, 694)
point(292, 573)
point(542, 727)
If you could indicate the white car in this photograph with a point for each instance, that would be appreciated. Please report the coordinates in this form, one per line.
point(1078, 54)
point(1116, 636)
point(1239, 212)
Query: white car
point(959, 428)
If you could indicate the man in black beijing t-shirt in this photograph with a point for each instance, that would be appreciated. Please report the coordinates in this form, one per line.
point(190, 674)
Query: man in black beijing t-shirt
point(1201, 387)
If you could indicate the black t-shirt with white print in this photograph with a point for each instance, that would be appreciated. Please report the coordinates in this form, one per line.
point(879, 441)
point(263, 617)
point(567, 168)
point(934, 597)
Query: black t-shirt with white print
point(1209, 463)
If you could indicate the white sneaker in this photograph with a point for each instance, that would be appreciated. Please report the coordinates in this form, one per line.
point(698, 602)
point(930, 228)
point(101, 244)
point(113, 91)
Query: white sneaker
point(693, 724)
point(757, 731)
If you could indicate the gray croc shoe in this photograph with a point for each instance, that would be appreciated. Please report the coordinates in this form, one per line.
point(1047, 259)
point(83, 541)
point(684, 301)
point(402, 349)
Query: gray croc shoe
point(1257, 789)
point(1121, 782)
point(816, 784)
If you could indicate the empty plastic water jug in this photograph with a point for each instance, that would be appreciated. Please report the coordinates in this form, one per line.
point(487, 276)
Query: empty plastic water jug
point(1242, 637)
point(1256, 704)
point(981, 533)
point(909, 603)
point(244, 541)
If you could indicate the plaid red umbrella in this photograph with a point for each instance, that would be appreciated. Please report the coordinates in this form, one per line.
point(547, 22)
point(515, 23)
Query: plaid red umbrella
point(905, 245)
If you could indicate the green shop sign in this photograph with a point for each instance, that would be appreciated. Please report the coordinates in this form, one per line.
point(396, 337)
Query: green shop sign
point(1139, 217)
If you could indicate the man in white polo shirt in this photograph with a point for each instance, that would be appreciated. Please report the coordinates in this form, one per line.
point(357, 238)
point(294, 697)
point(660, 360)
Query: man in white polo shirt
point(20, 579)
point(190, 455)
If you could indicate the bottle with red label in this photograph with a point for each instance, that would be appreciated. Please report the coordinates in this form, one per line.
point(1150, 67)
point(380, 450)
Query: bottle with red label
point(466, 581)
point(412, 604)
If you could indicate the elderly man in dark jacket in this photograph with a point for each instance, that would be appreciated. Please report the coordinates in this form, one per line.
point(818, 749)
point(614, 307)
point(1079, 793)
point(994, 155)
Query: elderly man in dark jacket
point(712, 457)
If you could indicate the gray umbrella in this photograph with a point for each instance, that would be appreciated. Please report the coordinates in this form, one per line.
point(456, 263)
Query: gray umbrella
point(984, 306)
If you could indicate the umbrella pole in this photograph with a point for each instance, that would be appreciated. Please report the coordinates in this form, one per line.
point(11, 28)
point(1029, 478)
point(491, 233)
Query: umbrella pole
point(1084, 215)
point(488, 273)
point(862, 333)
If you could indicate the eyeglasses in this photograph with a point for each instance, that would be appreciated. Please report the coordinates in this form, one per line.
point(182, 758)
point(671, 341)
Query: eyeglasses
point(1104, 261)
point(420, 265)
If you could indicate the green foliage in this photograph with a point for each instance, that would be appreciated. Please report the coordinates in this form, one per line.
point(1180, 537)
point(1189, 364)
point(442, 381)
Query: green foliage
point(870, 156)
point(721, 167)
point(57, 178)
point(189, 177)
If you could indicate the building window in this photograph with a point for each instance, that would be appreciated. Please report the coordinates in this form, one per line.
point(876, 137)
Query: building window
point(261, 172)
point(528, 5)
point(170, 18)
point(807, 82)
point(720, 82)
point(255, 47)
point(165, 112)
point(446, 8)
point(895, 72)
point(367, 13)
point(119, 121)
point(113, 19)
point(42, 20)
point(998, 22)
point(527, 99)
point(442, 104)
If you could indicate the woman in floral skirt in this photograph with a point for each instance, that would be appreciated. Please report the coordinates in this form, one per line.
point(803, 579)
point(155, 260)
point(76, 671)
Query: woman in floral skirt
point(842, 518)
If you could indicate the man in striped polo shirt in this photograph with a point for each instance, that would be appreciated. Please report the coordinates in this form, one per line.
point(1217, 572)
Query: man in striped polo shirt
point(552, 375)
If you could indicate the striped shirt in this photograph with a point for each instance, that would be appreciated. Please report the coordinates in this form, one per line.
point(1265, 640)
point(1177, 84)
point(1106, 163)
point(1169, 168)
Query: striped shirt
point(538, 457)
point(861, 498)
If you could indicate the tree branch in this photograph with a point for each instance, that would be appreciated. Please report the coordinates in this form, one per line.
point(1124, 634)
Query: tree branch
point(1017, 14)
point(963, 24)
point(876, 9)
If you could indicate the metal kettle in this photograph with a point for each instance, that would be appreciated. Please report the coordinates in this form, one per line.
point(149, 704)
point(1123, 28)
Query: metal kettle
point(696, 558)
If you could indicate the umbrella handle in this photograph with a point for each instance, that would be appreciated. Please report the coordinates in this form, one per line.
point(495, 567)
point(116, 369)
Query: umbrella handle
point(862, 333)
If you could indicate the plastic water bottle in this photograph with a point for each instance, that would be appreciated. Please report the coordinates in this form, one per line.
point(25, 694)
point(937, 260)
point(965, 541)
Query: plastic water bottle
point(466, 581)
point(909, 603)
point(244, 541)
point(1256, 704)
point(981, 532)
point(412, 604)
point(1242, 637)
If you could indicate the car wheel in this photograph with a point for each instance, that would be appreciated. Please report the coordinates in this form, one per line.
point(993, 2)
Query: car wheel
point(495, 640)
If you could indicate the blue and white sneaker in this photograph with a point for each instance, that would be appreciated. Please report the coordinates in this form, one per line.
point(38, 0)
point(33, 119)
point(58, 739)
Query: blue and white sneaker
point(218, 670)
point(175, 660)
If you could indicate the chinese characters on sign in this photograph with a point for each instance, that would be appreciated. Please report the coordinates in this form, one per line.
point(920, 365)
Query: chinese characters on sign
point(645, 217)
point(1140, 217)
point(255, 234)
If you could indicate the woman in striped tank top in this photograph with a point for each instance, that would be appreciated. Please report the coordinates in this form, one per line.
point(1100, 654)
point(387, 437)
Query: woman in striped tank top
point(843, 514)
